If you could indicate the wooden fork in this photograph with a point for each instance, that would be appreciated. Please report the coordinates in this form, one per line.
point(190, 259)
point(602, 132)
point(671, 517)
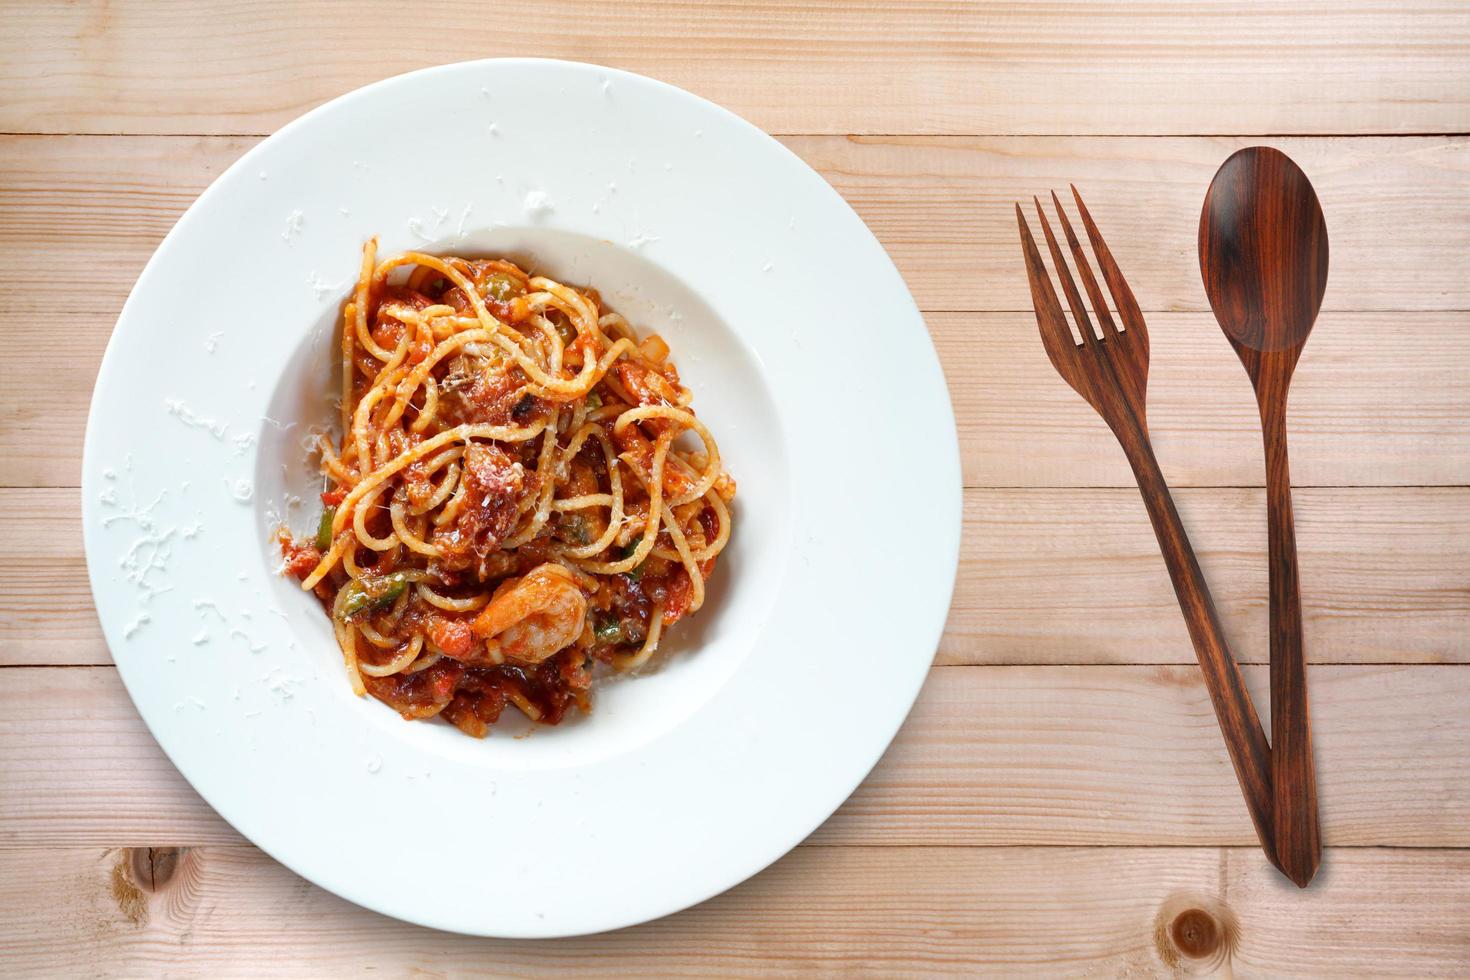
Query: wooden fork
point(1111, 373)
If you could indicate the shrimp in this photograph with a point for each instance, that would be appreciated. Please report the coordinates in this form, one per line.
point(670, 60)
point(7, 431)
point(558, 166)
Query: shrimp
point(534, 616)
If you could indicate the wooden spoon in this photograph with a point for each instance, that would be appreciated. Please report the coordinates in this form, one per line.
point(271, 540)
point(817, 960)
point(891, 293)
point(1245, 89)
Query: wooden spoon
point(1263, 256)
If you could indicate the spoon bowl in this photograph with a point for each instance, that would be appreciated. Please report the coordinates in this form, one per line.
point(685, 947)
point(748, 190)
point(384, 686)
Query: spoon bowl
point(1263, 251)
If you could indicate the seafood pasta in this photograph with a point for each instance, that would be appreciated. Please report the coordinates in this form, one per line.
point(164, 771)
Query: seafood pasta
point(520, 491)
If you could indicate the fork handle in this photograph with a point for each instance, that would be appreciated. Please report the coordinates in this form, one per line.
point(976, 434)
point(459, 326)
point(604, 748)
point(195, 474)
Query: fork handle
point(1244, 737)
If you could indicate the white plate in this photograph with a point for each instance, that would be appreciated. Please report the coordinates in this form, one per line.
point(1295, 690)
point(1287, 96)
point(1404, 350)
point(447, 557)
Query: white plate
point(808, 361)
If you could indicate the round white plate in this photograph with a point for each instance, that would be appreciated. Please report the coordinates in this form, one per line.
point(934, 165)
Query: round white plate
point(808, 360)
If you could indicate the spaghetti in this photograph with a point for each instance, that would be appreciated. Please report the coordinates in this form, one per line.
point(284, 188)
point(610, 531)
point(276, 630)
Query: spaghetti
point(520, 492)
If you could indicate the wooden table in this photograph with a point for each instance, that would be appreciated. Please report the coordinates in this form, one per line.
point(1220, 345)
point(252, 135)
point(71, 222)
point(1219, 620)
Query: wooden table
point(1061, 790)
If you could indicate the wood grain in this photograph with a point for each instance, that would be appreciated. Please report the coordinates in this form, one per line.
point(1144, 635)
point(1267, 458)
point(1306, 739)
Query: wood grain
point(936, 205)
point(930, 67)
point(870, 912)
point(1385, 578)
point(990, 756)
point(1380, 399)
point(92, 209)
point(943, 209)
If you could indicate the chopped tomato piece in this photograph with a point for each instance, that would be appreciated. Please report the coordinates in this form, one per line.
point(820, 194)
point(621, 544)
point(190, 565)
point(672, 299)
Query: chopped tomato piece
point(453, 636)
point(301, 559)
point(637, 452)
point(649, 387)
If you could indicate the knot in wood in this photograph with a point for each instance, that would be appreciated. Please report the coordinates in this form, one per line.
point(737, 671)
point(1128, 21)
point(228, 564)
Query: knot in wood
point(154, 867)
point(1196, 934)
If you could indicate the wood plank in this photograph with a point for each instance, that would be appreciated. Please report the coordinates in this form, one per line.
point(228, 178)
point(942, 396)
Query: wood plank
point(93, 209)
point(879, 912)
point(932, 67)
point(1384, 577)
point(47, 616)
point(1075, 576)
point(1379, 399)
point(89, 230)
point(1133, 755)
point(1398, 211)
point(943, 207)
point(990, 756)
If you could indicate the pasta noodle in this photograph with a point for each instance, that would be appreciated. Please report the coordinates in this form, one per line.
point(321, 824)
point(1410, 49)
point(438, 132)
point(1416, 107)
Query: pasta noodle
point(512, 498)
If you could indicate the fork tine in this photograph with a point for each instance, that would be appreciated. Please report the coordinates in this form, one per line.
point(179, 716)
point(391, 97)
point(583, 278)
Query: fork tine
point(1074, 299)
point(1049, 315)
point(1084, 269)
point(1123, 296)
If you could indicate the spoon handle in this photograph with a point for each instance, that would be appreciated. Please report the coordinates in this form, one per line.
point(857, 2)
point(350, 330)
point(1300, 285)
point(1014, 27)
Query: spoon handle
point(1294, 779)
